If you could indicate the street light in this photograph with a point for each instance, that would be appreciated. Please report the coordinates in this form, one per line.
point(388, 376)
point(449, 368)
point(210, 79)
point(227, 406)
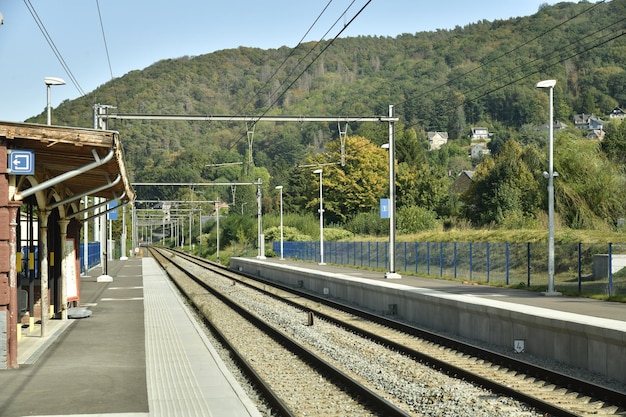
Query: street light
point(550, 176)
point(51, 81)
point(392, 274)
point(321, 210)
point(280, 187)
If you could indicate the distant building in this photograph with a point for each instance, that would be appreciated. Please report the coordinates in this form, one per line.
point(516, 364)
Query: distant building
point(617, 113)
point(436, 140)
point(588, 122)
point(479, 133)
point(595, 134)
point(462, 182)
point(478, 150)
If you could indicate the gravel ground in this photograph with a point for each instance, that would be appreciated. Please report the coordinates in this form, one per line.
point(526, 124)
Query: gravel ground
point(412, 386)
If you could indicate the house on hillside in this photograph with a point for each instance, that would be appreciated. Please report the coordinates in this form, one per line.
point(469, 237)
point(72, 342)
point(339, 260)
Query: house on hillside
point(462, 182)
point(478, 150)
point(595, 134)
point(436, 140)
point(588, 122)
point(479, 134)
point(617, 113)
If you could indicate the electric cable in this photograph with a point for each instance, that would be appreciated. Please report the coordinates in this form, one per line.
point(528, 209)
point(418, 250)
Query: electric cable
point(106, 49)
point(57, 53)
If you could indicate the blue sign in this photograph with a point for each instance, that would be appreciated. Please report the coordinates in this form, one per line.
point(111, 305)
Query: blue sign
point(112, 215)
point(384, 208)
point(21, 162)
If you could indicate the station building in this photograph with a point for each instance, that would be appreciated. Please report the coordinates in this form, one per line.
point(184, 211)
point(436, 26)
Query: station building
point(45, 174)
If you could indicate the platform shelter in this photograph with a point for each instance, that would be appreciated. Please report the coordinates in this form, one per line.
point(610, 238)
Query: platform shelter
point(46, 173)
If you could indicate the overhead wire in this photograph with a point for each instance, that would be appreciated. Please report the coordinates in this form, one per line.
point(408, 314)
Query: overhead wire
point(54, 48)
point(490, 61)
point(106, 49)
point(291, 53)
point(559, 60)
point(564, 49)
point(329, 43)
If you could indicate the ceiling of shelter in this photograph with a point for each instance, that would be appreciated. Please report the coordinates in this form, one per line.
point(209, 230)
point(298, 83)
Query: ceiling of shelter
point(61, 150)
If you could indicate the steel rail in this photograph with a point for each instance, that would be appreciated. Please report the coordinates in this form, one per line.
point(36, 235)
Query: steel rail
point(608, 395)
point(366, 395)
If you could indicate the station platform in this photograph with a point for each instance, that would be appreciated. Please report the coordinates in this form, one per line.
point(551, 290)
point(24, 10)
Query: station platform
point(585, 333)
point(139, 354)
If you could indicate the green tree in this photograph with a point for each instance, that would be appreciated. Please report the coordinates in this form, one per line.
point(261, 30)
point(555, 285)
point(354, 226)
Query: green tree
point(614, 143)
point(353, 188)
point(503, 186)
point(591, 190)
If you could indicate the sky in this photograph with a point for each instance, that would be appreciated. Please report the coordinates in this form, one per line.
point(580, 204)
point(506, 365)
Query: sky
point(103, 39)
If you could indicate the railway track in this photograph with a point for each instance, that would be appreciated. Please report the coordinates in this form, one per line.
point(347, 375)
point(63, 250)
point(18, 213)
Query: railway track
point(546, 392)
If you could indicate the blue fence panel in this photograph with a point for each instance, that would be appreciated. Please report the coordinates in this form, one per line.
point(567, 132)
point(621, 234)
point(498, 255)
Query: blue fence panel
point(519, 264)
point(93, 257)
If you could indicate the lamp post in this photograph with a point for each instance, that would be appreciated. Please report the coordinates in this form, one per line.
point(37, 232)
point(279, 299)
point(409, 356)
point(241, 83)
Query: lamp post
point(321, 210)
point(392, 274)
point(51, 81)
point(550, 176)
point(280, 187)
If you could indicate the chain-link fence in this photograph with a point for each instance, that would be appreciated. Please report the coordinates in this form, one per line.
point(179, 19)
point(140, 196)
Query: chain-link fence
point(579, 267)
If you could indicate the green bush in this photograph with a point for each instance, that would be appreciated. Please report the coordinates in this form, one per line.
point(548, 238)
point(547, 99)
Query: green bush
point(368, 224)
point(337, 234)
point(290, 234)
point(415, 219)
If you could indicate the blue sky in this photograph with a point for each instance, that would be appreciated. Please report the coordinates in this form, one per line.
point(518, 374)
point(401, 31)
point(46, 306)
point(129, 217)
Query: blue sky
point(140, 33)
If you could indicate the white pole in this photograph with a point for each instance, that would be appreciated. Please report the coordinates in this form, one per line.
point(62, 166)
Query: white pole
point(321, 210)
point(550, 175)
point(280, 187)
point(392, 201)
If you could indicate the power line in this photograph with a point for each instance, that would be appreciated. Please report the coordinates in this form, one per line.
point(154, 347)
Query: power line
point(484, 64)
point(106, 49)
point(46, 35)
point(563, 54)
point(345, 26)
point(291, 53)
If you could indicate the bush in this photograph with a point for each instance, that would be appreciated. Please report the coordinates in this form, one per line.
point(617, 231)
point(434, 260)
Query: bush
point(290, 234)
point(337, 234)
point(368, 224)
point(415, 219)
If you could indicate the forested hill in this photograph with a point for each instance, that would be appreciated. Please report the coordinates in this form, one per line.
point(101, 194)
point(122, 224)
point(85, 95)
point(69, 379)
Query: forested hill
point(482, 74)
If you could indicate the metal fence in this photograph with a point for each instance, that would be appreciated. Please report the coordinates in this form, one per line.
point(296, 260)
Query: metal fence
point(93, 257)
point(579, 267)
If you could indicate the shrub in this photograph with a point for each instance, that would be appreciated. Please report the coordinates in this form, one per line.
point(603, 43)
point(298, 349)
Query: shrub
point(415, 219)
point(368, 224)
point(337, 234)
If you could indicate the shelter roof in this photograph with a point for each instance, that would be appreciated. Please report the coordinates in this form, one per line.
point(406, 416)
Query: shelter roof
point(95, 156)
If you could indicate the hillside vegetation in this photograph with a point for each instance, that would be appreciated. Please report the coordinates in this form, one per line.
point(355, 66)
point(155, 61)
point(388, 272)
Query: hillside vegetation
point(482, 74)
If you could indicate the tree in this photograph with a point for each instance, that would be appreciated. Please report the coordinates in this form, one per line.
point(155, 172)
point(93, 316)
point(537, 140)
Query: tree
point(503, 186)
point(591, 190)
point(614, 143)
point(355, 187)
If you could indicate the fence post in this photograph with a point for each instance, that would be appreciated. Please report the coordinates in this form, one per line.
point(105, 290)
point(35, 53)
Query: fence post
point(471, 260)
point(507, 262)
point(580, 267)
point(455, 260)
point(428, 258)
point(417, 255)
point(488, 262)
point(528, 263)
point(610, 269)
point(405, 264)
point(440, 259)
